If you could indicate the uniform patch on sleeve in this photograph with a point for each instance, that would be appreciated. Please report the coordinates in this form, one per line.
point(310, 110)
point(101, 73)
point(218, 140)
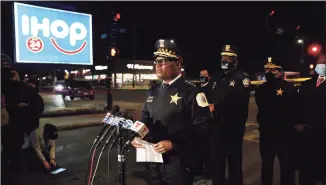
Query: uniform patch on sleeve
point(246, 82)
point(201, 100)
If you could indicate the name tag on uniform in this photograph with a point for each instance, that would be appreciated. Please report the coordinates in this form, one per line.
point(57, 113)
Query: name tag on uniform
point(150, 99)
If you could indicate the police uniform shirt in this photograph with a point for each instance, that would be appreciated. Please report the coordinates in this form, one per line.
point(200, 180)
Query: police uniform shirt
point(207, 89)
point(177, 113)
point(275, 100)
point(231, 98)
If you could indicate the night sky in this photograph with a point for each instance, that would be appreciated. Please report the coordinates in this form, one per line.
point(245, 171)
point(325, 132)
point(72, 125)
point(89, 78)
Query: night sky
point(202, 28)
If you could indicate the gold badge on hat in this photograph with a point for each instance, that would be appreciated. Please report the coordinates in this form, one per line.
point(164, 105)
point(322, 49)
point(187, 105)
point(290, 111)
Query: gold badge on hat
point(279, 92)
point(175, 98)
point(227, 48)
point(161, 43)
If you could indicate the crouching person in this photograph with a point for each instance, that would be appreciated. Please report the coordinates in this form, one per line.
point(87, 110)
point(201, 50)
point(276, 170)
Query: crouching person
point(43, 142)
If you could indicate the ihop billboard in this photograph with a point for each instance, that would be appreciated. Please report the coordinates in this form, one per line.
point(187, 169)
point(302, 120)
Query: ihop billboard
point(52, 36)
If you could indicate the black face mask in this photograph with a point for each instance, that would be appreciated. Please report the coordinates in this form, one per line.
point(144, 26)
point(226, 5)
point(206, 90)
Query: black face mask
point(225, 65)
point(270, 76)
point(203, 79)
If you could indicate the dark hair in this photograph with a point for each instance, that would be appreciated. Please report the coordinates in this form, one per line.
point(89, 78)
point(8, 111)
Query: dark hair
point(206, 70)
point(51, 131)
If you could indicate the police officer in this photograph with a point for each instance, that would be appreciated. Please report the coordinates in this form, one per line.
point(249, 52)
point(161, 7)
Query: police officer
point(311, 125)
point(177, 117)
point(206, 86)
point(231, 99)
point(275, 100)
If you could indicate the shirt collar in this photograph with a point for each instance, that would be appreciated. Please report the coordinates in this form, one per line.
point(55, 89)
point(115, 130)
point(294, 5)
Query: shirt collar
point(171, 82)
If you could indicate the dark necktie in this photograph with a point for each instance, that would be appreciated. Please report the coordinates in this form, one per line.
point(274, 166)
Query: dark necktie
point(164, 86)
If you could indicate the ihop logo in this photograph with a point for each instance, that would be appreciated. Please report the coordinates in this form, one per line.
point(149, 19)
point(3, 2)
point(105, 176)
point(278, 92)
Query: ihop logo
point(45, 35)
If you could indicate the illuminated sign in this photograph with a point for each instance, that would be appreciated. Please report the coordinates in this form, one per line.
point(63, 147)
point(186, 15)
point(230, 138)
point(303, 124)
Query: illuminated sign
point(139, 67)
point(47, 35)
point(99, 68)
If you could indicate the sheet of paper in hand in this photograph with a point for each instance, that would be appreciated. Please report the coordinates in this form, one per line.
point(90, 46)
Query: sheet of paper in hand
point(147, 154)
point(201, 100)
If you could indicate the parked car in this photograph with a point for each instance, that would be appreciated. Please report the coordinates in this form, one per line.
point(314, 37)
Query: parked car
point(75, 88)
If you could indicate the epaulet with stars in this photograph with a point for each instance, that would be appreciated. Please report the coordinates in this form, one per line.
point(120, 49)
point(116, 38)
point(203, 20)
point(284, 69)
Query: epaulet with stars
point(190, 83)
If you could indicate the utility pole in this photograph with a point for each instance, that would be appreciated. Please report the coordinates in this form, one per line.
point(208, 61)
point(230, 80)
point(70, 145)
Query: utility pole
point(133, 54)
point(113, 52)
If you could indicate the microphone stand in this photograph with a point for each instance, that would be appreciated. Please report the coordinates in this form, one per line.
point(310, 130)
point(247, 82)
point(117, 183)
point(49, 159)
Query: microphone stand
point(121, 158)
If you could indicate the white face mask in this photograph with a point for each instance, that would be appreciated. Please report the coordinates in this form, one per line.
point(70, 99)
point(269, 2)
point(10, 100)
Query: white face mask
point(321, 69)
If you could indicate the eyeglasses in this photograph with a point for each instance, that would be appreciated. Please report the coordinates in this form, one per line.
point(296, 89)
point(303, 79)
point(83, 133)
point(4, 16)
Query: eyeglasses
point(162, 62)
point(274, 71)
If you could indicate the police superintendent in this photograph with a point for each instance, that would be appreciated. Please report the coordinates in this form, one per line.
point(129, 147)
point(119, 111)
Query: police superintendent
point(177, 117)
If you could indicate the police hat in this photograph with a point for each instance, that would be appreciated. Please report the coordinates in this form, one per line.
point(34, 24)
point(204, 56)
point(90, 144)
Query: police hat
point(229, 50)
point(271, 65)
point(166, 48)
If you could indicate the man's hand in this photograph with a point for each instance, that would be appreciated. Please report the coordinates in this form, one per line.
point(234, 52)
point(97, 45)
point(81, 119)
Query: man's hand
point(136, 143)
point(300, 128)
point(53, 163)
point(46, 165)
point(21, 105)
point(163, 146)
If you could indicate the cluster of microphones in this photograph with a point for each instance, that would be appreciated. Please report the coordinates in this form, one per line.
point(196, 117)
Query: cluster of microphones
point(118, 128)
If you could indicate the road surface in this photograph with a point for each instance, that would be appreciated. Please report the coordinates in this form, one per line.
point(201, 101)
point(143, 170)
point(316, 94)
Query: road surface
point(72, 153)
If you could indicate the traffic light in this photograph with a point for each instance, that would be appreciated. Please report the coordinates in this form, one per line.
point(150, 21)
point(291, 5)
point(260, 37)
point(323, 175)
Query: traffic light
point(113, 52)
point(297, 28)
point(272, 13)
point(314, 49)
point(117, 17)
point(114, 37)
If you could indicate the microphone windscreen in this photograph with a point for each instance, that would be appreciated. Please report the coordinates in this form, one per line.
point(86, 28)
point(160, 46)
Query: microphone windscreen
point(131, 117)
point(124, 114)
point(115, 109)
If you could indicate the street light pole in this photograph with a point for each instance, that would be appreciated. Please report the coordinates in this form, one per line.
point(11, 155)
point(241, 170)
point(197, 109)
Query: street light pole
point(302, 53)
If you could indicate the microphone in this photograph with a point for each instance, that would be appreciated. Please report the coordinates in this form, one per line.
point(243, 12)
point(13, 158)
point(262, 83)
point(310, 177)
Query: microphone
point(130, 117)
point(110, 123)
point(138, 129)
point(115, 110)
point(120, 123)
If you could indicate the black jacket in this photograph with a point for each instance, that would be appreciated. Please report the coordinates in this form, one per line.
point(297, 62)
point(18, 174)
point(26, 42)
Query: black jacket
point(231, 99)
point(312, 105)
point(208, 90)
point(182, 121)
point(276, 105)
